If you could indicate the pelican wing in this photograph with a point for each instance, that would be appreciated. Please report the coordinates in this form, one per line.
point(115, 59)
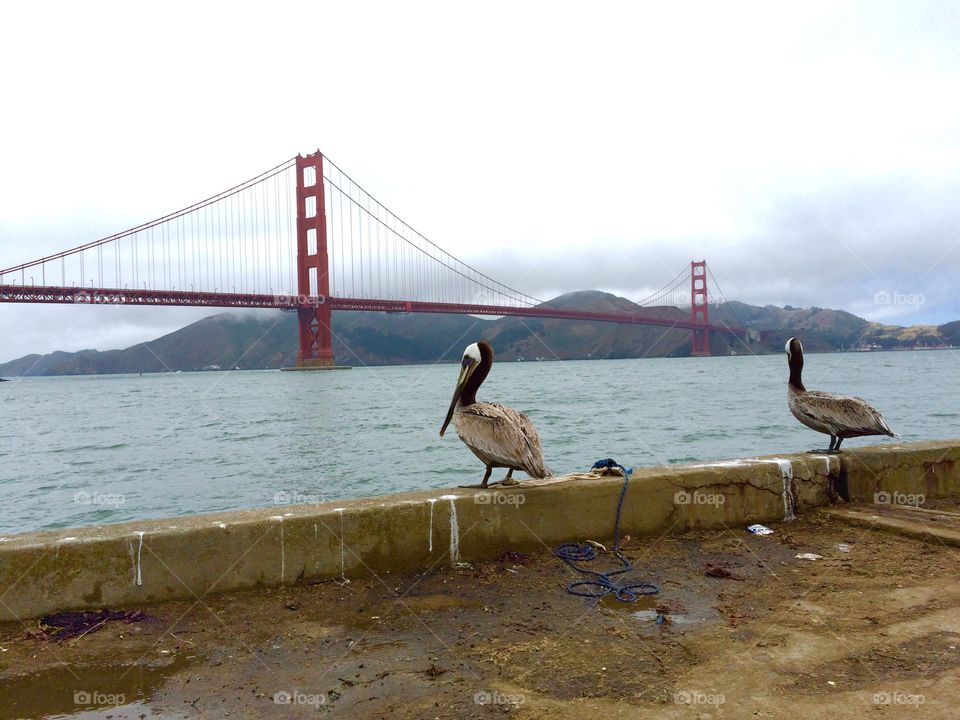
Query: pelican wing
point(845, 416)
point(502, 437)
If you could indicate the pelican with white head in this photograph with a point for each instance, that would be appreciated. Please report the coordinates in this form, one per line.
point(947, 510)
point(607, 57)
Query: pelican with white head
point(500, 436)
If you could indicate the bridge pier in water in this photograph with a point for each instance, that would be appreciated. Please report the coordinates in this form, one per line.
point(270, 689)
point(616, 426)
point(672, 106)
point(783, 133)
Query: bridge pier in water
point(699, 308)
point(315, 350)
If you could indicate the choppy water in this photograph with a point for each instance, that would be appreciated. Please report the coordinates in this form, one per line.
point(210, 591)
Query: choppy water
point(89, 450)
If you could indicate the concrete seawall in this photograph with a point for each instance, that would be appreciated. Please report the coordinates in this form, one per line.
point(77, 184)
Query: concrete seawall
point(151, 561)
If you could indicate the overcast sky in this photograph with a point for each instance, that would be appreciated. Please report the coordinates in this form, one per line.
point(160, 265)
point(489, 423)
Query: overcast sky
point(809, 151)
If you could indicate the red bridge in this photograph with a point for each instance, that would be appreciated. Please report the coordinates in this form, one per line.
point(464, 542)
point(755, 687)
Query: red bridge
point(303, 236)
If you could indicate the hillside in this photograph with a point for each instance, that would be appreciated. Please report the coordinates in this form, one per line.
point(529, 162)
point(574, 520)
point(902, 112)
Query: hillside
point(268, 339)
point(825, 330)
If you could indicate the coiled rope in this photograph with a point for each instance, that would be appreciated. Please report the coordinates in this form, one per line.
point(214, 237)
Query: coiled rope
point(601, 584)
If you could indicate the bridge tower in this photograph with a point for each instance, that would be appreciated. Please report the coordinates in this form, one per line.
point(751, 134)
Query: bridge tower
point(699, 308)
point(313, 275)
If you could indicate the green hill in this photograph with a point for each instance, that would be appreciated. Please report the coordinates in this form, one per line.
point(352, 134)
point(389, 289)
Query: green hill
point(268, 338)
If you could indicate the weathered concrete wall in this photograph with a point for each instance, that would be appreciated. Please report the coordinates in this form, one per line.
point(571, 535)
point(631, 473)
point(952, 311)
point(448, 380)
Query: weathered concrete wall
point(151, 561)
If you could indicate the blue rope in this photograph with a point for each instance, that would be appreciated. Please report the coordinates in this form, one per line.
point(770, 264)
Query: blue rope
point(599, 584)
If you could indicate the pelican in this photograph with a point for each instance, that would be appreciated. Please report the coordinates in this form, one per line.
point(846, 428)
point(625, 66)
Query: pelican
point(838, 416)
point(498, 435)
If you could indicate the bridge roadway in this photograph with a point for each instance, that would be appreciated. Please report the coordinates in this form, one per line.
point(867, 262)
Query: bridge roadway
point(133, 297)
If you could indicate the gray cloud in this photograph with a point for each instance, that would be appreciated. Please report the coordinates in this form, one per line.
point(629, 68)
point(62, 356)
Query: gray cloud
point(838, 248)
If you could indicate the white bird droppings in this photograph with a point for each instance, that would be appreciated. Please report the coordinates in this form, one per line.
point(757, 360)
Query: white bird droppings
point(829, 461)
point(139, 578)
point(454, 530)
point(789, 502)
point(432, 501)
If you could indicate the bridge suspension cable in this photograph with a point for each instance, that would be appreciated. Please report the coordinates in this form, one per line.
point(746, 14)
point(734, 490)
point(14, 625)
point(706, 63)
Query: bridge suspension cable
point(675, 293)
point(237, 241)
point(376, 255)
point(242, 241)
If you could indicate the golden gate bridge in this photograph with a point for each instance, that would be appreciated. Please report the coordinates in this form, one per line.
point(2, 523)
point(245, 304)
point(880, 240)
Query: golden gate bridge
point(303, 236)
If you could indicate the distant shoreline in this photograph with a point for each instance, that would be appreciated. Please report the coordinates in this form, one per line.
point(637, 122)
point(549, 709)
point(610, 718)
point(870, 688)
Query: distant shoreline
point(454, 362)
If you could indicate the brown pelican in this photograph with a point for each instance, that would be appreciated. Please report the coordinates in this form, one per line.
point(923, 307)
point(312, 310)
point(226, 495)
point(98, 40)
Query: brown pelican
point(838, 416)
point(498, 435)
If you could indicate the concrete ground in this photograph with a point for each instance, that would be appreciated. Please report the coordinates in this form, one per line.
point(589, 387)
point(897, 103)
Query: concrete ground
point(872, 628)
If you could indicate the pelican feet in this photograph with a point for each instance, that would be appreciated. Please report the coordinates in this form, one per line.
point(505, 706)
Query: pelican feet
point(508, 481)
point(483, 483)
point(833, 449)
point(485, 486)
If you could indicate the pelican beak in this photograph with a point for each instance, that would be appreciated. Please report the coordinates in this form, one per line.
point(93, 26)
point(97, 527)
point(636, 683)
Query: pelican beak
point(466, 370)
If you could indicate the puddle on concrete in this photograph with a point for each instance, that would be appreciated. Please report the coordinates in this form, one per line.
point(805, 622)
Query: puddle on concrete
point(644, 602)
point(668, 619)
point(689, 609)
point(88, 692)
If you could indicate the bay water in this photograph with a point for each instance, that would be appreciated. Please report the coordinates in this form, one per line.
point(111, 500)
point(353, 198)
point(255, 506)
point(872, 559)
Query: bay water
point(77, 451)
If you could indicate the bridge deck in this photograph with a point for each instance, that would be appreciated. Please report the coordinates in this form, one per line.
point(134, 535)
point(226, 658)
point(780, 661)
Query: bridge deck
point(136, 297)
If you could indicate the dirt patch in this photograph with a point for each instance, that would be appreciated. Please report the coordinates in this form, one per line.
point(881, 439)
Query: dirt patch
point(919, 658)
point(877, 614)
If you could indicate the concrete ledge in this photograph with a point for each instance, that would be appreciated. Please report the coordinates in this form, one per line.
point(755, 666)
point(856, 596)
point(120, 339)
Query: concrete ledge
point(152, 561)
point(926, 525)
